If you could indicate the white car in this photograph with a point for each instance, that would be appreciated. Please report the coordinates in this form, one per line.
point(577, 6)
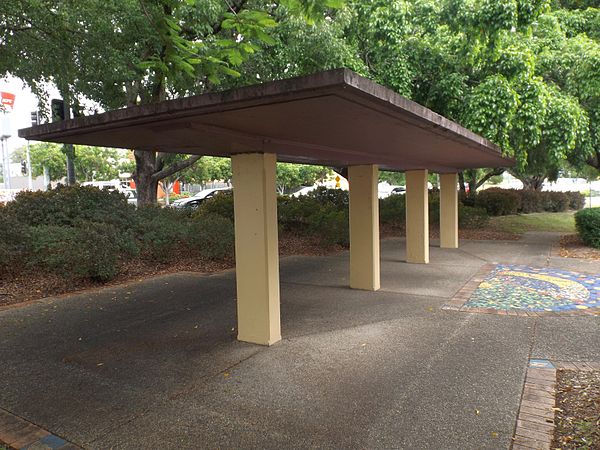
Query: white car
point(392, 190)
point(197, 199)
point(304, 191)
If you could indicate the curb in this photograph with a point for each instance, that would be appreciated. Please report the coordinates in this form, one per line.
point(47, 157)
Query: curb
point(535, 421)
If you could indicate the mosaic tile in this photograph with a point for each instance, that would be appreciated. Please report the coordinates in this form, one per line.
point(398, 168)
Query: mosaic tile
point(527, 288)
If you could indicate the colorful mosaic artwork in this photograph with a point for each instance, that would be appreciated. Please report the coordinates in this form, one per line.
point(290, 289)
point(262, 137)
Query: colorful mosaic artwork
point(532, 289)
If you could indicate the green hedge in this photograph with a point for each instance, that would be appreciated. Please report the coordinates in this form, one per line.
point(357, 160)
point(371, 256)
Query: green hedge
point(587, 222)
point(500, 202)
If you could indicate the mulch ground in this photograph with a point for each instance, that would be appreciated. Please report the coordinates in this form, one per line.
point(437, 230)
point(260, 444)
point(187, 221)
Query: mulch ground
point(578, 410)
point(571, 246)
point(21, 287)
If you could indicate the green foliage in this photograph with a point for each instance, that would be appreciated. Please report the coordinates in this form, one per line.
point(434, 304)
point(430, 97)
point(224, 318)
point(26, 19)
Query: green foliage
point(323, 214)
point(45, 154)
point(161, 231)
point(221, 205)
point(70, 205)
point(15, 240)
point(89, 250)
point(292, 176)
point(392, 209)
point(212, 235)
point(587, 222)
point(498, 202)
point(576, 200)
point(393, 178)
point(334, 197)
point(470, 218)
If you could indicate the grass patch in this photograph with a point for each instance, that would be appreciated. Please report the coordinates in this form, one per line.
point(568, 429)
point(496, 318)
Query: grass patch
point(563, 222)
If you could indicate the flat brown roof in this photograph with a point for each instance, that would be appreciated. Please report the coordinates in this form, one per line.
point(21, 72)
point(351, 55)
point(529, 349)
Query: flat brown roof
point(335, 118)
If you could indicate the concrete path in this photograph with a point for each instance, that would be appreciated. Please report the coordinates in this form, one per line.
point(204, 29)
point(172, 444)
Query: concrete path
point(155, 364)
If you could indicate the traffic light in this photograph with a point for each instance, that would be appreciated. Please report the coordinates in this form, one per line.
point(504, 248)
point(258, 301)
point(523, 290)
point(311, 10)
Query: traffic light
point(24, 167)
point(58, 110)
point(35, 118)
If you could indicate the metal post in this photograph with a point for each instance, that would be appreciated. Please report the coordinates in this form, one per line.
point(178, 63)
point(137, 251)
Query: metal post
point(46, 178)
point(29, 175)
point(5, 163)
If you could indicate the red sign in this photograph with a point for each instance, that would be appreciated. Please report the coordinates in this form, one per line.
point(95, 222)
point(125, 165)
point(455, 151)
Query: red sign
point(7, 101)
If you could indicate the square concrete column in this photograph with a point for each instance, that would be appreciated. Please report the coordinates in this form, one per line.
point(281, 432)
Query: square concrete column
point(448, 210)
point(364, 227)
point(417, 217)
point(256, 248)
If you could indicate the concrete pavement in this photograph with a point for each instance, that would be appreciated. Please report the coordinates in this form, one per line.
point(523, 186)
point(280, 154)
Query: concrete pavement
point(155, 364)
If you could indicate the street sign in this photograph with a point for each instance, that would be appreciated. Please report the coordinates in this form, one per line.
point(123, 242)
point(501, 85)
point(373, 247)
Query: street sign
point(7, 101)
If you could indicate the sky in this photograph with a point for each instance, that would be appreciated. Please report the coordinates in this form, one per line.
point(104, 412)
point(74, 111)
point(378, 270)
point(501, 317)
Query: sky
point(25, 103)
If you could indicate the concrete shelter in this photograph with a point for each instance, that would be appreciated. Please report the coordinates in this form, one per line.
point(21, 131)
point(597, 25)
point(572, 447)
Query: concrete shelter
point(334, 118)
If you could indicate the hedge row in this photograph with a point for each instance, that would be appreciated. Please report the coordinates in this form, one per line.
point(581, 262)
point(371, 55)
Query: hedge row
point(501, 202)
point(587, 222)
point(84, 232)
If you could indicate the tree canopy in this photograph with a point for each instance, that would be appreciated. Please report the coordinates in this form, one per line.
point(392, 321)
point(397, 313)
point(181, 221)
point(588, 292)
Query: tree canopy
point(523, 73)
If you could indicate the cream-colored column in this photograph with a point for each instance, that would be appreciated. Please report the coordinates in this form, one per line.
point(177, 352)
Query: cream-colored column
point(256, 252)
point(448, 210)
point(364, 227)
point(417, 217)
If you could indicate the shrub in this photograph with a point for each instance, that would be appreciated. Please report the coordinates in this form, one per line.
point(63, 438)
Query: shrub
point(322, 215)
point(332, 226)
point(555, 201)
point(15, 240)
point(66, 205)
point(498, 202)
point(335, 197)
point(576, 200)
point(471, 218)
point(392, 209)
point(531, 201)
point(76, 252)
point(587, 222)
point(434, 207)
point(160, 231)
point(213, 236)
point(221, 204)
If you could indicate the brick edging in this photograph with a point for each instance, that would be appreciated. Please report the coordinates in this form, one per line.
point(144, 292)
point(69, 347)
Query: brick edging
point(535, 421)
point(457, 302)
point(18, 433)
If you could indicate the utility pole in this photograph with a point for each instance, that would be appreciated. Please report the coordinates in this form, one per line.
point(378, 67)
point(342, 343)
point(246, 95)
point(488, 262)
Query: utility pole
point(29, 175)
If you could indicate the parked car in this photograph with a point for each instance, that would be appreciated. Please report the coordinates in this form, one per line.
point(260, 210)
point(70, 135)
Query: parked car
point(304, 190)
point(197, 199)
point(391, 190)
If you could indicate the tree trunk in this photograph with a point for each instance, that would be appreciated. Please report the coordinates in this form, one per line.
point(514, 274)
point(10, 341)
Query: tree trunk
point(461, 182)
point(69, 152)
point(532, 183)
point(145, 183)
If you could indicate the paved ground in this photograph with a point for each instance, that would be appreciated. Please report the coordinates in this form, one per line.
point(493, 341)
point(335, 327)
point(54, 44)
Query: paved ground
point(156, 365)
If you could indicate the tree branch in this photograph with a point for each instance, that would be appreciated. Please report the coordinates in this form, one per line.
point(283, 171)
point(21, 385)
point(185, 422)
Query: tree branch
point(497, 171)
point(175, 167)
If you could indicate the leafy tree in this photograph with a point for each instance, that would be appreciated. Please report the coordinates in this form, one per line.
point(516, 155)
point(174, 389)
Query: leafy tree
point(292, 176)
point(92, 163)
point(44, 154)
point(127, 52)
point(479, 63)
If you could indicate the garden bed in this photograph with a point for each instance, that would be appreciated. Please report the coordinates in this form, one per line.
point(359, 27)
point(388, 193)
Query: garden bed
point(33, 286)
point(571, 246)
point(578, 410)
